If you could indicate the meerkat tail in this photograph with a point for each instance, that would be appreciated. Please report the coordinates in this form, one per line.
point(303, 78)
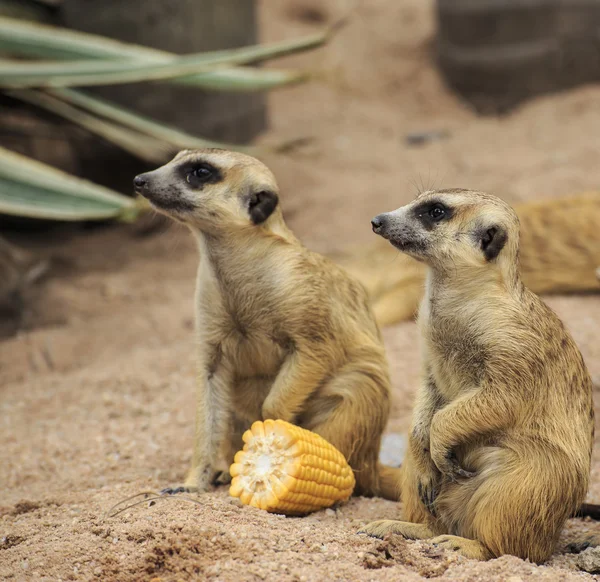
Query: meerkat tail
point(589, 510)
point(560, 253)
point(560, 244)
point(389, 482)
point(394, 282)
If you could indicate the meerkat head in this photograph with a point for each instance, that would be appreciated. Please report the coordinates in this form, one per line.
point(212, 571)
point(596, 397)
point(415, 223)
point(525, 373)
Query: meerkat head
point(212, 190)
point(453, 228)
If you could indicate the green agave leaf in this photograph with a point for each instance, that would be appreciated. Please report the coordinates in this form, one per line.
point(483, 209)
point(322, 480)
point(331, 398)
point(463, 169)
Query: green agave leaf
point(159, 131)
point(244, 79)
point(142, 146)
point(20, 199)
point(36, 40)
point(164, 140)
point(27, 74)
point(40, 40)
point(140, 123)
point(30, 188)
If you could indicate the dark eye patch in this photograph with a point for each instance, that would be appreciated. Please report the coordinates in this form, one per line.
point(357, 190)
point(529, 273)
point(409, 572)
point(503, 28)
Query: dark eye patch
point(431, 212)
point(199, 173)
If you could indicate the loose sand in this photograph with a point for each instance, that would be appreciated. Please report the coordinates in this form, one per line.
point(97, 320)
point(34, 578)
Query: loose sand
point(96, 398)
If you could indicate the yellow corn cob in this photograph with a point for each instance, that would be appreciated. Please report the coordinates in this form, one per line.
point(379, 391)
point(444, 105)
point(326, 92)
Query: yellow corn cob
point(287, 469)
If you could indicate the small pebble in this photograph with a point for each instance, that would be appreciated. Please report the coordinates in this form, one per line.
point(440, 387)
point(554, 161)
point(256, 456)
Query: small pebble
point(589, 560)
point(423, 137)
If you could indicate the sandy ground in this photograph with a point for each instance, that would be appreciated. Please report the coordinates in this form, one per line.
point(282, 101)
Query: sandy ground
point(96, 398)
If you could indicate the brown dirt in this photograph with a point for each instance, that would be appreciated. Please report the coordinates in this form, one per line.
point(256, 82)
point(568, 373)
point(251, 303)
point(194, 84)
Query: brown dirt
point(97, 403)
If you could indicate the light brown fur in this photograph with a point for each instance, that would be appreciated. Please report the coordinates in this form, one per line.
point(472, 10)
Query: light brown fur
point(502, 432)
point(283, 332)
point(560, 251)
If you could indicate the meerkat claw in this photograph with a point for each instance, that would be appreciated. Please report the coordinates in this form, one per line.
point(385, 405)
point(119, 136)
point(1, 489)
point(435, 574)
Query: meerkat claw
point(449, 466)
point(428, 495)
point(454, 469)
point(457, 470)
point(175, 490)
point(222, 478)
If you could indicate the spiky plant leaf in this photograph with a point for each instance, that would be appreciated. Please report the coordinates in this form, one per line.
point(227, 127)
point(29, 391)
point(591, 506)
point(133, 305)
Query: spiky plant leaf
point(32, 74)
point(47, 42)
point(171, 138)
point(142, 146)
point(32, 189)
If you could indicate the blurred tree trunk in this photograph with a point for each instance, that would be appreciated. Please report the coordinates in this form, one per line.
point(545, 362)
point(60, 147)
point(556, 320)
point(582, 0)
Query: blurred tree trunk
point(181, 27)
point(498, 53)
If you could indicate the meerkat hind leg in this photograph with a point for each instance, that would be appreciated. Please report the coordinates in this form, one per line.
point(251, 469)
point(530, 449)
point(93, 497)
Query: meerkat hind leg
point(411, 531)
point(350, 413)
point(231, 445)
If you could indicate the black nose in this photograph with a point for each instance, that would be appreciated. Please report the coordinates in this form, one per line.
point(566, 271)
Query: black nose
point(378, 223)
point(139, 182)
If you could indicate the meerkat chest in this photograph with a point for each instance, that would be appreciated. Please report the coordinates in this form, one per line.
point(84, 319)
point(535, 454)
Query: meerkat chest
point(253, 353)
point(248, 351)
point(247, 348)
point(241, 318)
point(456, 353)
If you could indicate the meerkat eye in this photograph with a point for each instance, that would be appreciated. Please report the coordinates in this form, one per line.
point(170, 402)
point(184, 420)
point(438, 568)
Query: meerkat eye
point(431, 212)
point(437, 212)
point(201, 173)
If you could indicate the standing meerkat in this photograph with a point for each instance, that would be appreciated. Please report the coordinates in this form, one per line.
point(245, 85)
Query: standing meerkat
point(501, 439)
point(283, 332)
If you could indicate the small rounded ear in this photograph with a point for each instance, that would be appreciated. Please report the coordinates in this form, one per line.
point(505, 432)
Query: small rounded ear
point(492, 241)
point(261, 205)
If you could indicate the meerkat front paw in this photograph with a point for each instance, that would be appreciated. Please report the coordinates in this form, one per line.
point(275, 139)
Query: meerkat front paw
point(447, 463)
point(428, 488)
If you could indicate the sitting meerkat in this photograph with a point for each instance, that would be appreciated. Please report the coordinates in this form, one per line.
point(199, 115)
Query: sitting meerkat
point(503, 425)
point(284, 333)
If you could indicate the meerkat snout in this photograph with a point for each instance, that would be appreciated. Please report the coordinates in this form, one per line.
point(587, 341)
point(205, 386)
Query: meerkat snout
point(139, 182)
point(378, 223)
point(395, 227)
point(151, 186)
